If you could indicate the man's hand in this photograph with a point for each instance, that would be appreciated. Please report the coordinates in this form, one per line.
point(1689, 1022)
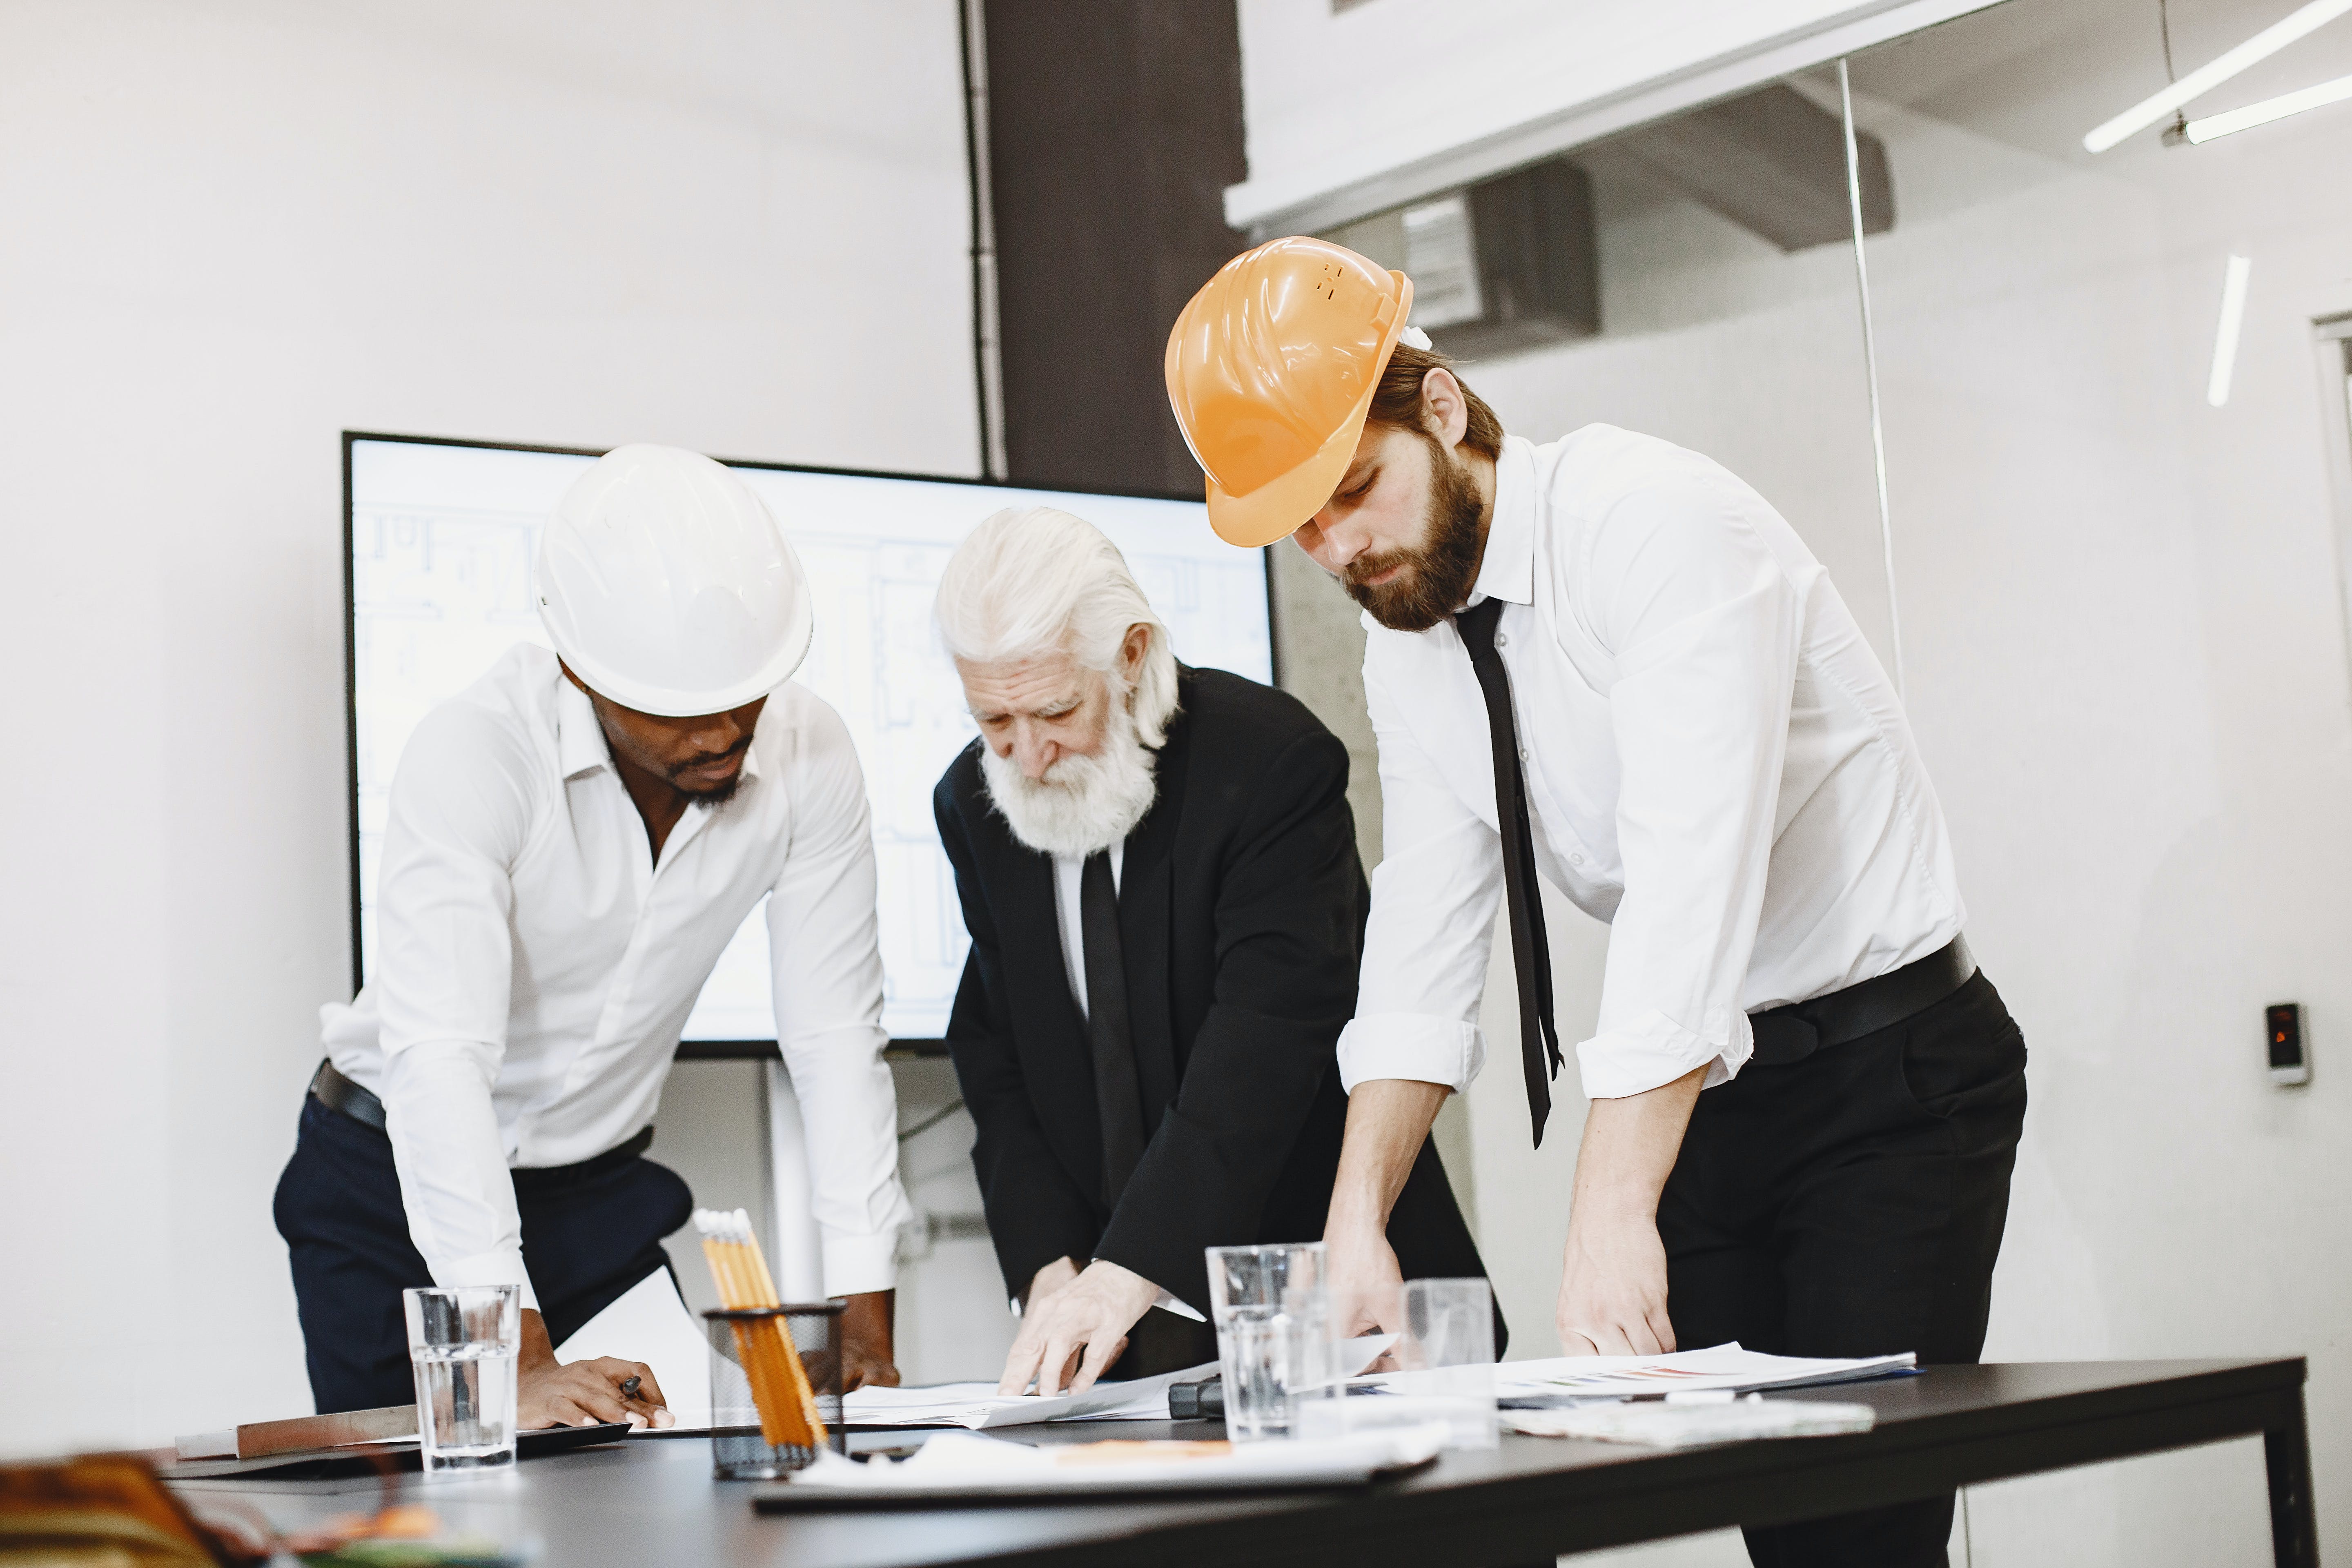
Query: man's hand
point(550, 1393)
point(1366, 1289)
point(1613, 1283)
point(1388, 1121)
point(1048, 1281)
point(1070, 1337)
point(868, 1357)
point(1612, 1288)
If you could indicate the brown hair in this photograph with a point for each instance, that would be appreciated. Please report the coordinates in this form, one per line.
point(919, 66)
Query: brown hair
point(1397, 401)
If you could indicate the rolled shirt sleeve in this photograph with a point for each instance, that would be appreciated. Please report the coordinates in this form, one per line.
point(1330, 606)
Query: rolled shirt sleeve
point(1435, 895)
point(827, 966)
point(1704, 626)
point(459, 812)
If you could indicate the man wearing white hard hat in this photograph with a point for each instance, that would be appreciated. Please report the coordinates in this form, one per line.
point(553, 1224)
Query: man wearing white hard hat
point(1606, 664)
point(569, 844)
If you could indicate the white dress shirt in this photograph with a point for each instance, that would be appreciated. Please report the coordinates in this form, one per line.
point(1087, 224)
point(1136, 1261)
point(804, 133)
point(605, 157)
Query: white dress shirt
point(535, 965)
point(1716, 764)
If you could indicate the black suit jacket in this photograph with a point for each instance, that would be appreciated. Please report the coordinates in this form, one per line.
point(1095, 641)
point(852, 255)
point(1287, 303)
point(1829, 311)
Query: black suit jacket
point(1241, 907)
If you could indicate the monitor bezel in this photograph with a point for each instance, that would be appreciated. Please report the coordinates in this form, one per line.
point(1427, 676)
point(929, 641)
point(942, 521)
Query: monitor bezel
point(687, 1050)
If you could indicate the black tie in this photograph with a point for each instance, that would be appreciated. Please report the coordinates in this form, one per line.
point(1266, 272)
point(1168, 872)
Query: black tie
point(1116, 1096)
point(1530, 953)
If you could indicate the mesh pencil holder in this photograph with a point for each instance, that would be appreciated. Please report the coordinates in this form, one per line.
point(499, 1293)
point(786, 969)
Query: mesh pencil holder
point(740, 1446)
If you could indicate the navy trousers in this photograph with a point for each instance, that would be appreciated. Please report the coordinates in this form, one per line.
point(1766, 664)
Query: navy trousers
point(587, 1239)
point(1851, 1204)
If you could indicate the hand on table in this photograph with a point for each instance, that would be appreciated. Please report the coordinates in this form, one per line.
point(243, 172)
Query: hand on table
point(1612, 1288)
point(868, 1357)
point(550, 1393)
point(1072, 1332)
point(1366, 1287)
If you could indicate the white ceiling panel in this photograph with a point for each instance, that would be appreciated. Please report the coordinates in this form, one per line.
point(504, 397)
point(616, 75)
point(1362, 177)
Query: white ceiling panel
point(1356, 109)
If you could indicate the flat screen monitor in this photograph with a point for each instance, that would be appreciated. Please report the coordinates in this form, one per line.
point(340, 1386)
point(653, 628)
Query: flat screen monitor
point(442, 541)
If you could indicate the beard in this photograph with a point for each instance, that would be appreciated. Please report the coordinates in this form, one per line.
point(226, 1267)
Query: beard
point(713, 795)
point(1436, 575)
point(1084, 803)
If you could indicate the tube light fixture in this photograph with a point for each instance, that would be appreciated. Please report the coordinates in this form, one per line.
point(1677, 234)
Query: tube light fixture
point(2208, 77)
point(2268, 109)
point(2225, 333)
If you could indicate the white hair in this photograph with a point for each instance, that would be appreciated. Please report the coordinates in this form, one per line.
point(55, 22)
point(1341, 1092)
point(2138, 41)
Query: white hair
point(1032, 582)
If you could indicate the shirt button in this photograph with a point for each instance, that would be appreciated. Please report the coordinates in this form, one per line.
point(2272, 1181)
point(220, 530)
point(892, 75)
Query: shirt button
point(1502, 639)
point(1523, 753)
point(1576, 859)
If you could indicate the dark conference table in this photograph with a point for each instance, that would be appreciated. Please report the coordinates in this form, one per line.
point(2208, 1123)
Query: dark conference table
point(654, 1501)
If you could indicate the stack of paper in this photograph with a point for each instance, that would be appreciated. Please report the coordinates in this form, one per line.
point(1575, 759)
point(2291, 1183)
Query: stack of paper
point(1669, 1426)
point(967, 1465)
point(1568, 1380)
point(978, 1405)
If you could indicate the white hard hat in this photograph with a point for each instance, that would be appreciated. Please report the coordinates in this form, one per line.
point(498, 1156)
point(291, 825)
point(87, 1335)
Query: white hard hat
point(668, 588)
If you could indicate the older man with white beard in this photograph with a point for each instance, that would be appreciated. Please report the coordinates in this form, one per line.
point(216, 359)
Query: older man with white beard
point(1158, 866)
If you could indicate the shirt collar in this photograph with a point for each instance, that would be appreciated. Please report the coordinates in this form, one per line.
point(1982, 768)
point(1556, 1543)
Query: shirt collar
point(580, 745)
point(1507, 569)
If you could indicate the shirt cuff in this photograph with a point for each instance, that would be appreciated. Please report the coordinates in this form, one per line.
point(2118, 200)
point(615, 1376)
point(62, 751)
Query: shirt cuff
point(856, 1264)
point(1653, 1050)
point(501, 1266)
point(1424, 1046)
point(1168, 1303)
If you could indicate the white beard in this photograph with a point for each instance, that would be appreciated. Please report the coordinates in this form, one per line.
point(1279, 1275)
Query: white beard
point(1083, 803)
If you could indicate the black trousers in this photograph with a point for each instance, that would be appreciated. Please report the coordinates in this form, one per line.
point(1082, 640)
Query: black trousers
point(1851, 1204)
point(588, 1241)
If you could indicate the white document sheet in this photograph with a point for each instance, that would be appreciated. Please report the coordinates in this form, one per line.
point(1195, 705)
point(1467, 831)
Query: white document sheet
point(962, 1463)
point(1723, 1367)
point(978, 1405)
point(651, 1324)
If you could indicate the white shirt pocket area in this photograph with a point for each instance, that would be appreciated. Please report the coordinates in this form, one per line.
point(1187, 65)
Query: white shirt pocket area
point(1748, 848)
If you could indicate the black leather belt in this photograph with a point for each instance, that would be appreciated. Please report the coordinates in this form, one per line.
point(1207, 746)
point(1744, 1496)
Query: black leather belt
point(1791, 1034)
point(338, 1094)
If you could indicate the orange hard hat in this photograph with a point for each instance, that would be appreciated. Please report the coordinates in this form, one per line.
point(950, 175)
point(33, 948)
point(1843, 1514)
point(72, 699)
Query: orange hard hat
point(1271, 370)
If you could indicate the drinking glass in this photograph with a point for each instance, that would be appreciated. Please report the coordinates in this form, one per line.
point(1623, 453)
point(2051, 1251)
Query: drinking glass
point(1445, 1356)
point(1271, 1307)
point(462, 1342)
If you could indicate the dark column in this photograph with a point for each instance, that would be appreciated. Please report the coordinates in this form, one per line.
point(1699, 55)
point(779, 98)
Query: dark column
point(1114, 128)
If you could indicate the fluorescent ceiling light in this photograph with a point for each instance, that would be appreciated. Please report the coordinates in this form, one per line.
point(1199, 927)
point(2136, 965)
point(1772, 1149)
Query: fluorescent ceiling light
point(2206, 77)
point(2269, 109)
point(2225, 334)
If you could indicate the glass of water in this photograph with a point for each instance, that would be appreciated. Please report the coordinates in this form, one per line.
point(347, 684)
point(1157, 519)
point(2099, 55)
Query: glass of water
point(1445, 1353)
point(1271, 1307)
point(462, 1341)
point(1261, 1276)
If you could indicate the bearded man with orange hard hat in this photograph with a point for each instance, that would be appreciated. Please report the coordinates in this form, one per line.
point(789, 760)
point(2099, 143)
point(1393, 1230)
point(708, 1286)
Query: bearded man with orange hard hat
point(1607, 664)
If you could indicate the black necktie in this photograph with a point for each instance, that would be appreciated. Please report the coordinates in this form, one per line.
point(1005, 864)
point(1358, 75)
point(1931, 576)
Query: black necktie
point(1530, 953)
point(1116, 1096)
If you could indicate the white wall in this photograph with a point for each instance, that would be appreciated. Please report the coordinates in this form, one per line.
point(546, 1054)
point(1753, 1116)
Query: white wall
point(226, 233)
point(2127, 668)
